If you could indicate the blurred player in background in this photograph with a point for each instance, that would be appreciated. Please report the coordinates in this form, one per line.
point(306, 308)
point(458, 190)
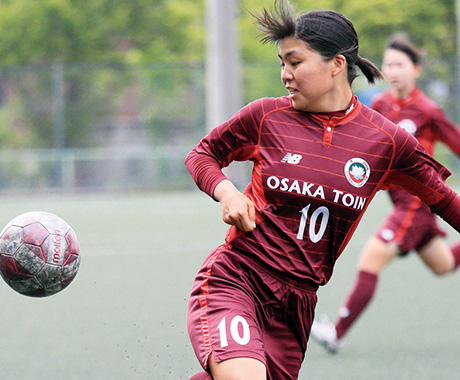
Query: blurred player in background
point(410, 226)
point(319, 157)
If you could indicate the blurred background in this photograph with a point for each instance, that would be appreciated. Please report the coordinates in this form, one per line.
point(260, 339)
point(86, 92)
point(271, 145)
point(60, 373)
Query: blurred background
point(111, 95)
point(100, 101)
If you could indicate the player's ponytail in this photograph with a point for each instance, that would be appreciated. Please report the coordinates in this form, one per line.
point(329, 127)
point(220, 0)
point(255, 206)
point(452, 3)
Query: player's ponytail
point(370, 71)
point(327, 32)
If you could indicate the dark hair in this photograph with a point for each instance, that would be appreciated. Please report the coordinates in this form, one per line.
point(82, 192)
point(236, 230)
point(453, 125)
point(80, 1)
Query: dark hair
point(327, 32)
point(401, 42)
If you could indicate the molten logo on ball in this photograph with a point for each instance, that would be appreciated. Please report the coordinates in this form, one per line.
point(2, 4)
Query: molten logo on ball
point(57, 247)
point(39, 254)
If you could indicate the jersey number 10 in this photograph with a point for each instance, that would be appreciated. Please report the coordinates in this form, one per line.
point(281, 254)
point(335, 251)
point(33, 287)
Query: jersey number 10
point(315, 236)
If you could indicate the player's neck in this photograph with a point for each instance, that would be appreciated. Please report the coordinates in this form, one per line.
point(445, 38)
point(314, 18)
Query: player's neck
point(403, 93)
point(338, 99)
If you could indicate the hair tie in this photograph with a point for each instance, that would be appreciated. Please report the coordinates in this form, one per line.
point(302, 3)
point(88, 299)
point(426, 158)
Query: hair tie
point(358, 59)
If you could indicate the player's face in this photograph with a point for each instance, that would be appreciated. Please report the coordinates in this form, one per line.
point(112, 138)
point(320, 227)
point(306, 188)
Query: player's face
point(400, 71)
point(306, 75)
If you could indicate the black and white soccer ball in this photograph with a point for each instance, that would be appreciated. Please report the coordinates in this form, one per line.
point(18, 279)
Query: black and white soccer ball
point(39, 254)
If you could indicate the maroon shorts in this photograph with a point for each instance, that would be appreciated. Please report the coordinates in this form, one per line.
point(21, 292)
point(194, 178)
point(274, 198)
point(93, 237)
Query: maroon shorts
point(237, 309)
point(410, 227)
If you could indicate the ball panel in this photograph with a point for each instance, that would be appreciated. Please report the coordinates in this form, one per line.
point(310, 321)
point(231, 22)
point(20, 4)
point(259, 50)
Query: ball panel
point(72, 241)
point(30, 257)
point(8, 267)
point(35, 233)
point(27, 285)
point(10, 239)
point(18, 277)
point(26, 218)
point(69, 271)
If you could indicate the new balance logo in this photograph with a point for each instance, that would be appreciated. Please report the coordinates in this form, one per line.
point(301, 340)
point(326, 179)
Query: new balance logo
point(292, 158)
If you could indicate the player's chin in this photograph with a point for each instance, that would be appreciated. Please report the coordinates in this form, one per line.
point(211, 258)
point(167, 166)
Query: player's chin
point(300, 105)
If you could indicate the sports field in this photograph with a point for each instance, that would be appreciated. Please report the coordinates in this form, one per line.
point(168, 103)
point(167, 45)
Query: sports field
point(123, 317)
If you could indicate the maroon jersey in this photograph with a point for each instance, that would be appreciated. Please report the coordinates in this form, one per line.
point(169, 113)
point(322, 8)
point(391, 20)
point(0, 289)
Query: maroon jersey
point(422, 118)
point(314, 176)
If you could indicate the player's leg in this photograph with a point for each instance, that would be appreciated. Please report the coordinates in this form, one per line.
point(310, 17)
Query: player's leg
point(455, 250)
point(374, 257)
point(287, 335)
point(225, 335)
point(237, 369)
point(203, 375)
point(233, 369)
point(439, 257)
point(222, 320)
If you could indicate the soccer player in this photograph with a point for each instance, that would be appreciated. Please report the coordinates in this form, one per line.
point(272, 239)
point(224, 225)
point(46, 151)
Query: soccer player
point(319, 157)
point(410, 226)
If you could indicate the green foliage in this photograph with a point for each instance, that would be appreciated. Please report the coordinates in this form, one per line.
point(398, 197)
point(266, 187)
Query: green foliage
point(430, 24)
point(76, 31)
point(132, 34)
point(143, 31)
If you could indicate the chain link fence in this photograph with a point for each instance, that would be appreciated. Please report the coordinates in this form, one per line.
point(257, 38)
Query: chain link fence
point(98, 127)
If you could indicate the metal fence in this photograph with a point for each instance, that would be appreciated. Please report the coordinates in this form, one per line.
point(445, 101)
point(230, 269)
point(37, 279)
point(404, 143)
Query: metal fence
point(93, 169)
point(98, 128)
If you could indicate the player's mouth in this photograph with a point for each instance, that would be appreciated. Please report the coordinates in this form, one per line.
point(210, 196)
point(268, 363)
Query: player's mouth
point(292, 91)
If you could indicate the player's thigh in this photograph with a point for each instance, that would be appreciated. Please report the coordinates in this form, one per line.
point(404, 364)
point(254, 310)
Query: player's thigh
point(286, 344)
point(237, 369)
point(223, 322)
point(437, 255)
point(377, 254)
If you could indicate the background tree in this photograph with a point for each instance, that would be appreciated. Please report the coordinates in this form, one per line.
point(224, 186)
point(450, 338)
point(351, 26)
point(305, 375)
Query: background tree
point(49, 34)
point(125, 36)
point(431, 25)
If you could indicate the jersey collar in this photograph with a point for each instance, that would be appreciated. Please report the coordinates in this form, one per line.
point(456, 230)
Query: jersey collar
point(340, 117)
point(408, 99)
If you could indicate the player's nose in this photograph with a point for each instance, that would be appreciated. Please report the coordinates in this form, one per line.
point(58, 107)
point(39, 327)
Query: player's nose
point(286, 75)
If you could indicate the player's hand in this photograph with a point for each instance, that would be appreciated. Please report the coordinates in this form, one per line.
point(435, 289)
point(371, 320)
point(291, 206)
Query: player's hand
point(237, 208)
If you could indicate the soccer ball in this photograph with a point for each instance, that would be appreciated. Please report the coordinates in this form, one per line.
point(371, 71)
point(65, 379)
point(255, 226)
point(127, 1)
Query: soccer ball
point(39, 254)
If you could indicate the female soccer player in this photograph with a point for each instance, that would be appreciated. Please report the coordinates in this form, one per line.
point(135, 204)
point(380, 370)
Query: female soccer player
point(319, 157)
point(411, 225)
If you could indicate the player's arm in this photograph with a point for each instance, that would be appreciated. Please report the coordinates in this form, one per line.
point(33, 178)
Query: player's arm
point(449, 209)
point(447, 132)
point(237, 209)
point(417, 172)
point(236, 139)
point(434, 192)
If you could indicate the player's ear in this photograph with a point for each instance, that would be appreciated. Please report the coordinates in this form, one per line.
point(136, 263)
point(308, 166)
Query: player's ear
point(339, 63)
point(418, 70)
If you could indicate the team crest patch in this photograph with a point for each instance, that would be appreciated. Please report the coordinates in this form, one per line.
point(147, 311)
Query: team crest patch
point(357, 172)
point(408, 125)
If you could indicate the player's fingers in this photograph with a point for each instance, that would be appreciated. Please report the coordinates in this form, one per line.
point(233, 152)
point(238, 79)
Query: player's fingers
point(247, 220)
point(237, 208)
point(252, 214)
point(240, 217)
point(245, 223)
